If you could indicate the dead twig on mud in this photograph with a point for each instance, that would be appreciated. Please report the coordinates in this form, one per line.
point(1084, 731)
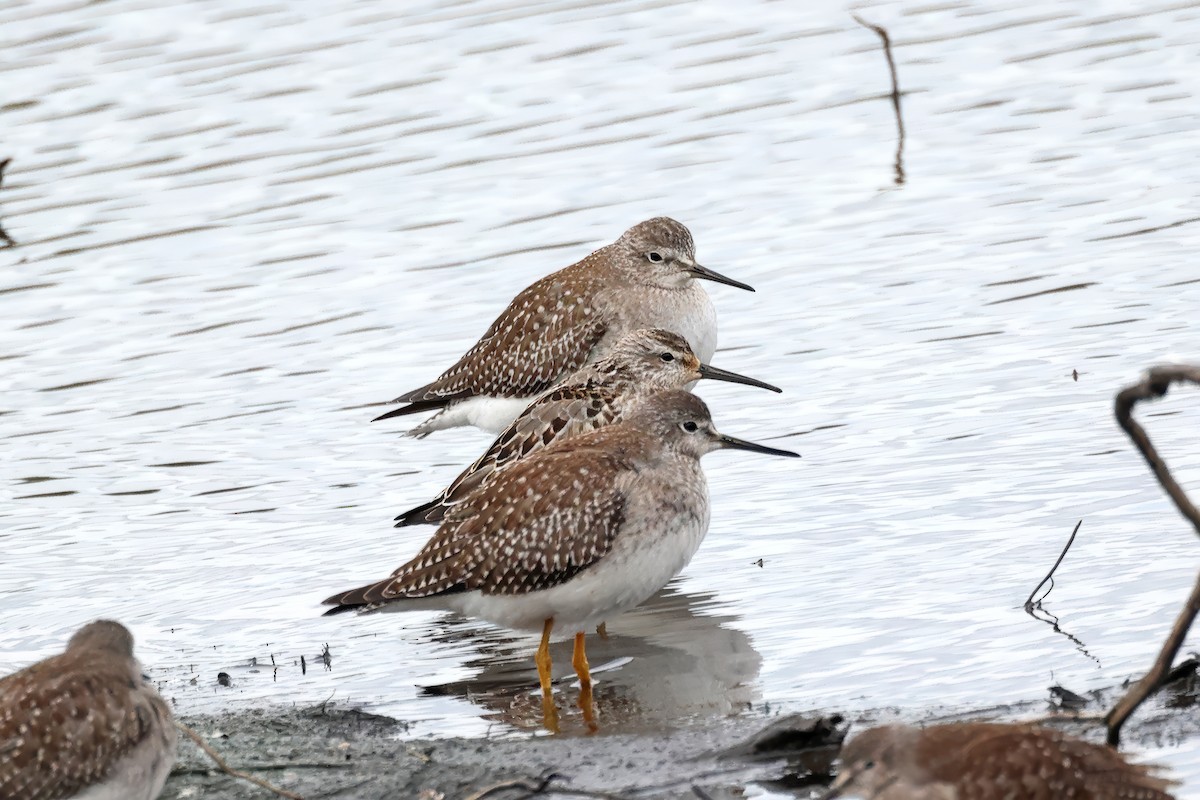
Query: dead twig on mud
point(887, 52)
point(228, 770)
point(1029, 603)
point(543, 786)
point(1153, 386)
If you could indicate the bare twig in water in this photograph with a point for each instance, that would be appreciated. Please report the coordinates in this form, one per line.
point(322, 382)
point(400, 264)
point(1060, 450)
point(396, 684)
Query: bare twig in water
point(1029, 603)
point(4, 237)
point(887, 51)
point(1032, 607)
point(228, 770)
point(1154, 386)
point(1052, 621)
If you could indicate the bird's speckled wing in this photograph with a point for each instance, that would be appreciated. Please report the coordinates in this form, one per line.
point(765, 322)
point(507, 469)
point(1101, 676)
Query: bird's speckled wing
point(65, 723)
point(538, 523)
point(547, 331)
point(981, 761)
point(560, 414)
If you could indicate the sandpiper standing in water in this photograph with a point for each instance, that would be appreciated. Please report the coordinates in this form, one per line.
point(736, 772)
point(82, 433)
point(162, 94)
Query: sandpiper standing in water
point(641, 364)
point(988, 761)
point(570, 536)
point(85, 724)
point(645, 279)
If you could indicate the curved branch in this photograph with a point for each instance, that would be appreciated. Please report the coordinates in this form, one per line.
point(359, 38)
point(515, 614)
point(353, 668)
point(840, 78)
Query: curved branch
point(1155, 385)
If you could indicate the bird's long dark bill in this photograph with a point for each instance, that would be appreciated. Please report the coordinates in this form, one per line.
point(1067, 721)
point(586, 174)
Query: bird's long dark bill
point(742, 444)
point(708, 275)
point(718, 374)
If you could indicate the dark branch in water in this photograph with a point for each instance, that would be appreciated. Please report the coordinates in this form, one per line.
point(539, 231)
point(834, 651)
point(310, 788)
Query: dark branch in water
point(1029, 603)
point(1032, 607)
point(4, 237)
point(1052, 621)
point(1152, 387)
point(887, 51)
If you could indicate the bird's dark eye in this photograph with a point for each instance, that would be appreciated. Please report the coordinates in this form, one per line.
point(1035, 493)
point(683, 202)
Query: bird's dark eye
point(869, 765)
point(690, 426)
point(667, 357)
point(654, 256)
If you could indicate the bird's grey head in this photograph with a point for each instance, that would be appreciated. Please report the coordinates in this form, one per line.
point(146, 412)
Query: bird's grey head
point(682, 422)
point(656, 358)
point(659, 359)
point(105, 635)
point(662, 252)
point(875, 760)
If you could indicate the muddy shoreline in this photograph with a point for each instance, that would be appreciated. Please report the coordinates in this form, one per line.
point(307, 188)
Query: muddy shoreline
point(335, 752)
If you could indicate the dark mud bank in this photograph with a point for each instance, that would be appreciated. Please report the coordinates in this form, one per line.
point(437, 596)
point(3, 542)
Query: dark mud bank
point(339, 753)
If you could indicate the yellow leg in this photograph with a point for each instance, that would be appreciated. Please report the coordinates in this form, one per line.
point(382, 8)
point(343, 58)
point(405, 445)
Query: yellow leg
point(602, 630)
point(580, 662)
point(549, 711)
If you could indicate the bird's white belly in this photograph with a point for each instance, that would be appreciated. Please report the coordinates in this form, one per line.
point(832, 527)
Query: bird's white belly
point(489, 413)
point(639, 564)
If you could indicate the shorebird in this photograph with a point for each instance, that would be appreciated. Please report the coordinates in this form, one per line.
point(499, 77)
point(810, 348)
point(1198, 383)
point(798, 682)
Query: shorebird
point(641, 364)
point(570, 318)
point(570, 536)
point(85, 724)
point(988, 761)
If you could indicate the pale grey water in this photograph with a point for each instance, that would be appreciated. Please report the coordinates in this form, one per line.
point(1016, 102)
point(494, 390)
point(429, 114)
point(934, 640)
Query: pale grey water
point(238, 225)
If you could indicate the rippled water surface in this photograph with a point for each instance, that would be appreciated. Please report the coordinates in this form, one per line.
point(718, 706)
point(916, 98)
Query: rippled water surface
point(240, 226)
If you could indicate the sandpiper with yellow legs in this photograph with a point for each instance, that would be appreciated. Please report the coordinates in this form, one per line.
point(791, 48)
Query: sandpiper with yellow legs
point(571, 536)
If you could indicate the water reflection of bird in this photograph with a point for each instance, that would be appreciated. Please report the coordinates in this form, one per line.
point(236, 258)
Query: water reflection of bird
point(645, 279)
point(571, 536)
point(672, 657)
point(641, 364)
point(85, 724)
point(988, 761)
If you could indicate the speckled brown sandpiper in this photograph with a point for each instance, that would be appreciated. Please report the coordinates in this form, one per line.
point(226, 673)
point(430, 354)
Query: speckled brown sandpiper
point(570, 536)
point(85, 724)
point(570, 318)
point(641, 364)
point(988, 761)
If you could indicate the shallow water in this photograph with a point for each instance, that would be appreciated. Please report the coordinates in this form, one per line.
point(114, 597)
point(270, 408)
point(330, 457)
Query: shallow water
point(240, 226)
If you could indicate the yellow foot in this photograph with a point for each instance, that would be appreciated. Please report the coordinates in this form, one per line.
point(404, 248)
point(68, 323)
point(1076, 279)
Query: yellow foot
point(542, 659)
point(580, 662)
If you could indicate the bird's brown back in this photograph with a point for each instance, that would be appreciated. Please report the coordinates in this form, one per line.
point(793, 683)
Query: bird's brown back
point(984, 761)
point(65, 722)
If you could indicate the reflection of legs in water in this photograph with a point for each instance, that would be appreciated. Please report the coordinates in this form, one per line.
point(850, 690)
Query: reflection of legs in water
point(549, 712)
point(580, 662)
point(602, 629)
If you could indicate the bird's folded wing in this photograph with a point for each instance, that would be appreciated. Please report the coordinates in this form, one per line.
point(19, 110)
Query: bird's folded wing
point(537, 524)
point(561, 413)
point(545, 333)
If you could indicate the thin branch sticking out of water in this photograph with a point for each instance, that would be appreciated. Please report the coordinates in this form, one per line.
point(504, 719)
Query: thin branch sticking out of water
point(4, 237)
point(1152, 387)
point(887, 51)
point(1029, 603)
